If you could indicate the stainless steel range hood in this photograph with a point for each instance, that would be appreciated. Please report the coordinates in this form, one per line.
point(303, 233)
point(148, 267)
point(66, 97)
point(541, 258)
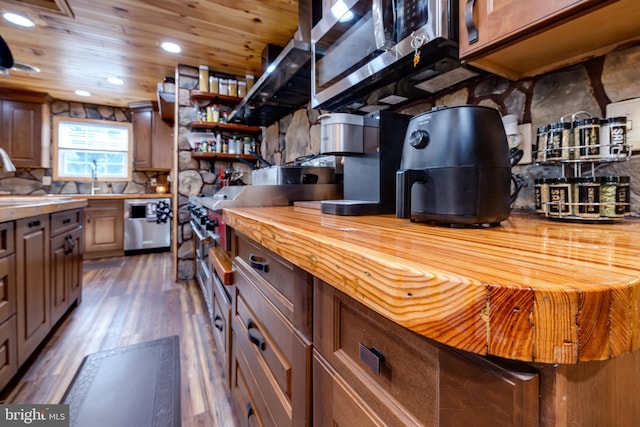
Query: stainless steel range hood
point(288, 86)
point(280, 91)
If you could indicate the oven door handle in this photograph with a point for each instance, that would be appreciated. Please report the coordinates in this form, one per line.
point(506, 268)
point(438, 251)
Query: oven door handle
point(200, 235)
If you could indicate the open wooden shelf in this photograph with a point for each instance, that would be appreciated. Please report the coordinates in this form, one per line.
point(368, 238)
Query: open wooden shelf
point(202, 97)
point(230, 127)
point(221, 156)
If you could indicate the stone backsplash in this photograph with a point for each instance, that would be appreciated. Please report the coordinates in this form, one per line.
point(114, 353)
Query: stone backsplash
point(29, 181)
point(588, 86)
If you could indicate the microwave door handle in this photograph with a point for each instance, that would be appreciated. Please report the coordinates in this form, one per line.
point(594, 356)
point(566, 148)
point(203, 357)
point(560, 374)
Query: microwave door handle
point(377, 11)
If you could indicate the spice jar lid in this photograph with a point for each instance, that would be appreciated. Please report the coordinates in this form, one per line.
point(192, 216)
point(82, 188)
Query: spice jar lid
point(617, 120)
point(624, 179)
point(579, 180)
point(587, 121)
point(609, 179)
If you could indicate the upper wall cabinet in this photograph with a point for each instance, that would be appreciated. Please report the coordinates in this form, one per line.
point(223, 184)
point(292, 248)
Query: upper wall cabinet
point(152, 138)
point(520, 38)
point(24, 123)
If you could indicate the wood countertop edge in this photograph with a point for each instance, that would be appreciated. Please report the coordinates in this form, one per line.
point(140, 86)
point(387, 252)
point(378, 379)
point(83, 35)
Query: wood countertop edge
point(29, 209)
point(460, 311)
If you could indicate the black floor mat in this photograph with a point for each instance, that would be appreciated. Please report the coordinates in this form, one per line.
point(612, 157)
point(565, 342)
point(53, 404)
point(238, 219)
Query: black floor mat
point(132, 386)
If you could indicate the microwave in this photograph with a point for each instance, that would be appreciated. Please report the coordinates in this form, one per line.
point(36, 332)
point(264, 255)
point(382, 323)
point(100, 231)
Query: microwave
point(360, 45)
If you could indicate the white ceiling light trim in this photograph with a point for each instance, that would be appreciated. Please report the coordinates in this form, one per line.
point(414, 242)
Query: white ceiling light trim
point(171, 47)
point(115, 81)
point(20, 20)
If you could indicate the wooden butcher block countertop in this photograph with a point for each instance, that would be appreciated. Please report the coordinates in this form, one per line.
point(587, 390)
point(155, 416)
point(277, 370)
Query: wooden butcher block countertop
point(19, 207)
point(530, 289)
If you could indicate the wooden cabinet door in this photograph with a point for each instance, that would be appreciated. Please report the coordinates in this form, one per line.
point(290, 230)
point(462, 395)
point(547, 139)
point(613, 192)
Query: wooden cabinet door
point(66, 272)
point(104, 229)
point(142, 135)
point(162, 143)
point(8, 355)
point(491, 23)
point(32, 282)
point(7, 287)
point(21, 135)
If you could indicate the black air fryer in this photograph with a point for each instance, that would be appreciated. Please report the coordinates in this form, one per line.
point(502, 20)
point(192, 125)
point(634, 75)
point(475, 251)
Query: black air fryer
point(455, 168)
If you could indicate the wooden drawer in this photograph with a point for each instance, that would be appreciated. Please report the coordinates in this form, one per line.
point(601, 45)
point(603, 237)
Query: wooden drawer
point(221, 322)
point(335, 403)
point(7, 241)
point(286, 286)
point(245, 405)
point(65, 221)
point(101, 204)
point(279, 357)
point(8, 353)
point(7, 287)
point(417, 377)
point(408, 370)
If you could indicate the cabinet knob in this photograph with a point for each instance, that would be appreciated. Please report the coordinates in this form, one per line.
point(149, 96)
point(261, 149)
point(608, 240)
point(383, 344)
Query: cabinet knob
point(372, 357)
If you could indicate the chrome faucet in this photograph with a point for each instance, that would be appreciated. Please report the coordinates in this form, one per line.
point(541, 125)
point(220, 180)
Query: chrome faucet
point(7, 164)
point(94, 177)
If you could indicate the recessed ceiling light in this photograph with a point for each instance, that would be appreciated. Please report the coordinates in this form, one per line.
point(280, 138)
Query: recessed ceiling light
point(83, 93)
point(14, 18)
point(171, 47)
point(115, 81)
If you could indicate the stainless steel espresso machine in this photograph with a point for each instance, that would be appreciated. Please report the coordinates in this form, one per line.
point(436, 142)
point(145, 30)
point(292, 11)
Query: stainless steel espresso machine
point(372, 149)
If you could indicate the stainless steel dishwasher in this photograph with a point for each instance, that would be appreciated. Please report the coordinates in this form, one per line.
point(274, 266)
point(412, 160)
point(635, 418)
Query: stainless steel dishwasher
point(147, 225)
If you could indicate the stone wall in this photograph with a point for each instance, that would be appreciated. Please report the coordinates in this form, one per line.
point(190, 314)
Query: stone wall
point(588, 86)
point(29, 181)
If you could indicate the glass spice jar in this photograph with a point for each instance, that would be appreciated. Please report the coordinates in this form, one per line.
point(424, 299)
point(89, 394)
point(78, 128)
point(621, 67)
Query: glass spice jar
point(541, 194)
point(540, 148)
point(624, 194)
point(586, 197)
point(618, 148)
point(608, 197)
point(560, 197)
point(586, 136)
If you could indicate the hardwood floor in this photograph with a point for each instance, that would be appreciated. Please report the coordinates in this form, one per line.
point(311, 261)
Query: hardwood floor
point(128, 300)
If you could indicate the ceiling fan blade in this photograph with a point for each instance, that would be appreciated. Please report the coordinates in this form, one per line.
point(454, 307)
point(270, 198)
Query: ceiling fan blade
point(6, 59)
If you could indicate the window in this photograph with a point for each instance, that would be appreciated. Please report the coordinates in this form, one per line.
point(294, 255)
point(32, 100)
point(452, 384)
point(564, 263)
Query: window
point(80, 142)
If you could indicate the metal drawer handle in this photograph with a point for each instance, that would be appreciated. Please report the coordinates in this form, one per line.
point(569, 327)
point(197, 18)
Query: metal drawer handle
point(372, 357)
point(250, 413)
point(218, 323)
point(34, 224)
point(472, 29)
point(259, 263)
point(69, 244)
point(66, 221)
point(255, 336)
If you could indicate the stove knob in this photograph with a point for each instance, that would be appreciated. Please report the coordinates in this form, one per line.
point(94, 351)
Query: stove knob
point(419, 139)
point(211, 224)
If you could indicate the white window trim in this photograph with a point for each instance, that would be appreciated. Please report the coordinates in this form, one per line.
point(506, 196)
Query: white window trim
point(58, 119)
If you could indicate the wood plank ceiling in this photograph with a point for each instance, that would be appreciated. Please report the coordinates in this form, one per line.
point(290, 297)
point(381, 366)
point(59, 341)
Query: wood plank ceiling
point(78, 44)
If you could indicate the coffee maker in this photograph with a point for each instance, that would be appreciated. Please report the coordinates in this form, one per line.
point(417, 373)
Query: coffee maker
point(372, 149)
